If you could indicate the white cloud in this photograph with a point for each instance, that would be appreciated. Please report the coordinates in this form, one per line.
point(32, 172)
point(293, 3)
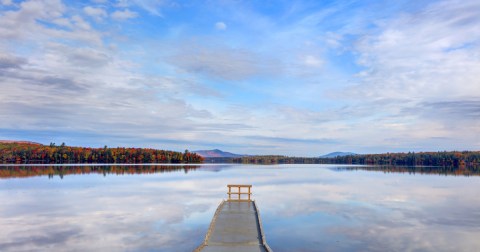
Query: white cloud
point(96, 13)
point(30, 31)
point(152, 6)
point(123, 15)
point(427, 55)
point(90, 80)
point(418, 71)
point(8, 61)
point(312, 61)
point(7, 2)
point(333, 40)
point(44, 9)
point(62, 22)
point(220, 26)
point(25, 18)
point(219, 61)
point(81, 23)
point(122, 3)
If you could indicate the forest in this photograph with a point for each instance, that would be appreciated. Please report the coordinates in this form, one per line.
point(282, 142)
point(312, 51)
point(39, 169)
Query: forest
point(31, 153)
point(445, 158)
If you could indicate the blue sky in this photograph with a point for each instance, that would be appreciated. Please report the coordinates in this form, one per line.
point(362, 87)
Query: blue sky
point(260, 77)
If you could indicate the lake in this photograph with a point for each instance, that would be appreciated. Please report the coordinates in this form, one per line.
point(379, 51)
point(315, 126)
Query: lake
point(303, 207)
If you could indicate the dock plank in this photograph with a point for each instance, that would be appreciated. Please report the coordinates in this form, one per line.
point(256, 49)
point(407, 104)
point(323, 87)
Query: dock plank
point(235, 227)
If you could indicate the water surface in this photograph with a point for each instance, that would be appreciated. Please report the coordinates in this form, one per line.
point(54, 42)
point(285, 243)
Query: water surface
point(303, 207)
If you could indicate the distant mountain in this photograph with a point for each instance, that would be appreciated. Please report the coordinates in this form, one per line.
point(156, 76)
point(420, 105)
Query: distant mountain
point(216, 153)
point(19, 142)
point(337, 154)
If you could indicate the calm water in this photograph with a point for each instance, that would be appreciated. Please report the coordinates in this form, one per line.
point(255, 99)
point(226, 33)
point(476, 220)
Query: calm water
point(303, 208)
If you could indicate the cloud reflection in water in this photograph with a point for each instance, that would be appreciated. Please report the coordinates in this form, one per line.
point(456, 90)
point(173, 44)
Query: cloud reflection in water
point(303, 207)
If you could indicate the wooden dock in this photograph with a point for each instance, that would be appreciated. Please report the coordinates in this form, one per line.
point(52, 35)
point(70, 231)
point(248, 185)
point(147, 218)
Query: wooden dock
point(236, 225)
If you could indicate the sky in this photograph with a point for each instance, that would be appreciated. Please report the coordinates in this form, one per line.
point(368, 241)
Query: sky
point(298, 78)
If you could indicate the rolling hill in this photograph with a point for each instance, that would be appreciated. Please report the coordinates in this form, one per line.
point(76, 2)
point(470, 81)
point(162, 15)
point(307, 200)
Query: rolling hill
point(216, 153)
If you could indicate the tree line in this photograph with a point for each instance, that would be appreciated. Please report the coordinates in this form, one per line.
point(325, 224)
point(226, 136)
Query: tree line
point(28, 153)
point(445, 158)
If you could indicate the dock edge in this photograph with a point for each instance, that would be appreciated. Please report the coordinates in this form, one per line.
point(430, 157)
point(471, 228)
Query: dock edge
point(210, 228)
point(264, 241)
